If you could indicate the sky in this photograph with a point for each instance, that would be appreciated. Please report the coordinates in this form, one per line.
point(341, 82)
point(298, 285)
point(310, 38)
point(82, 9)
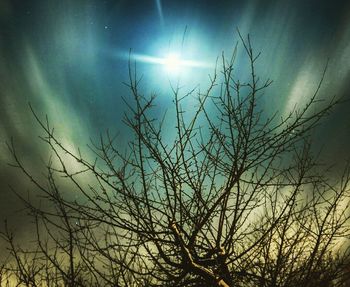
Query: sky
point(69, 60)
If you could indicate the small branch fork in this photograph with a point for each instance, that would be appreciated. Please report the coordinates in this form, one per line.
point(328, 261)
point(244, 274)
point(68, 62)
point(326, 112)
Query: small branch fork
point(190, 262)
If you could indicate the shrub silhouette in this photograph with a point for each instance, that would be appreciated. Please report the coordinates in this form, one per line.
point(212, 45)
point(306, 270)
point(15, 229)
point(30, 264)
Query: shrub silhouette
point(235, 198)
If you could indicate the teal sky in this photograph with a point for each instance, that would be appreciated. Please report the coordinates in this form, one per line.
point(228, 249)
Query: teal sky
point(69, 59)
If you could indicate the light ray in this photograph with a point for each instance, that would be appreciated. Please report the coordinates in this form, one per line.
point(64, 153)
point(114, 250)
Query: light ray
point(160, 12)
point(171, 62)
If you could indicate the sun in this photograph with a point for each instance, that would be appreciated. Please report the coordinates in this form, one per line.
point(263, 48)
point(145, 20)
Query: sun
point(172, 63)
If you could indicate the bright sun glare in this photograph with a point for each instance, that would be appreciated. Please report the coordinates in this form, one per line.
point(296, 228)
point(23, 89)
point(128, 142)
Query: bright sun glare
point(172, 63)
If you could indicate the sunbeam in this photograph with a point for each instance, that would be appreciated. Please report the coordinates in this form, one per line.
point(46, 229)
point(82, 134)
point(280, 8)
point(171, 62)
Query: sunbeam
point(160, 12)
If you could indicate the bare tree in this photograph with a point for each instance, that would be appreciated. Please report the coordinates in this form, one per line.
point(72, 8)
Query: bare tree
point(234, 198)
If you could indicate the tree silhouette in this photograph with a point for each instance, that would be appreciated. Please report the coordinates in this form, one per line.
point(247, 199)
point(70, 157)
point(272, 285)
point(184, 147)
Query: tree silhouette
point(234, 198)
